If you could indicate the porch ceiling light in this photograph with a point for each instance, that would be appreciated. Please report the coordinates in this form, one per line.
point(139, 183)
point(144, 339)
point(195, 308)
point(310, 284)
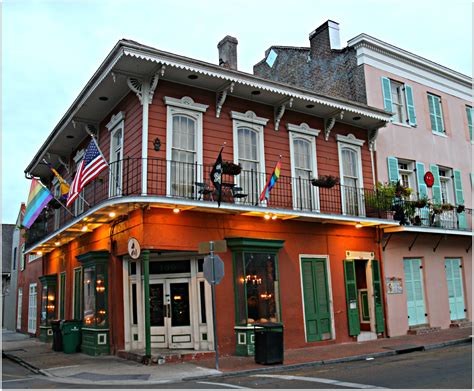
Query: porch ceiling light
point(57, 243)
point(176, 210)
point(112, 214)
point(39, 253)
point(84, 228)
point(274, 217)
point(267, 216)
point(358, 225)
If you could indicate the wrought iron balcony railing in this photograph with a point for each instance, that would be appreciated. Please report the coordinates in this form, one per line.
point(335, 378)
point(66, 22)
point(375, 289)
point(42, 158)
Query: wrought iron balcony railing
point(191, 181)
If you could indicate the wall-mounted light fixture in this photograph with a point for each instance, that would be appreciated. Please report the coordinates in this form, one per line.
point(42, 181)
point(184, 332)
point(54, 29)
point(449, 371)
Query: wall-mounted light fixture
point(157, 144)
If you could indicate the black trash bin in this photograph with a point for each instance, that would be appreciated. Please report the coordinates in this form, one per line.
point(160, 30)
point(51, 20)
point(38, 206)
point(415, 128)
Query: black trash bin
point(57, 335)
point(268, 343)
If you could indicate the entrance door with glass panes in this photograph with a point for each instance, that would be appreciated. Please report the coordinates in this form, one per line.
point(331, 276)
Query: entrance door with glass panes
point(170, 313)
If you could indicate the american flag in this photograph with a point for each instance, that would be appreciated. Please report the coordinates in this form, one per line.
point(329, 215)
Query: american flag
point(91, 166)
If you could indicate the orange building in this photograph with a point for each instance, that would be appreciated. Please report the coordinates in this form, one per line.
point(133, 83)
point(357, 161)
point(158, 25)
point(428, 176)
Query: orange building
point(306, 258)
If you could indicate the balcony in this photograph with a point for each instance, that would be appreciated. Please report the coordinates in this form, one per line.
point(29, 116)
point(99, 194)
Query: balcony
point(189, 184)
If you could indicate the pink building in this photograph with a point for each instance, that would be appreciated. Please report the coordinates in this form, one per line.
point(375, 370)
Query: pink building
point(426, 148)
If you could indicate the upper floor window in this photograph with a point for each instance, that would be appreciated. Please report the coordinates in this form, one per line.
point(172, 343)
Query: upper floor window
point(79, 202)
point(446, 185)
point(249, 152)
point(57, 195)
point(184, 146)
point(406, 174)
point(469, 120)
point(303, 165)
point(436, 114)
point(14, 258)
point(398, 99)
point(116, 128)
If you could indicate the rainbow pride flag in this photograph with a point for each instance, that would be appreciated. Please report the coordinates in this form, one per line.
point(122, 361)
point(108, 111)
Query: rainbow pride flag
point(271, 182)
point(37, 200)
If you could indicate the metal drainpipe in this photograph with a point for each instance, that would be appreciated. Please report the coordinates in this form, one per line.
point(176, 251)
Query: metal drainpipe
point(145, 100)
point(146, 288)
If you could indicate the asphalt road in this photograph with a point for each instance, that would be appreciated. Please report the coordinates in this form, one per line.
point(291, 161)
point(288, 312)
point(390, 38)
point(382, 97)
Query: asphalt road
point(442, 368)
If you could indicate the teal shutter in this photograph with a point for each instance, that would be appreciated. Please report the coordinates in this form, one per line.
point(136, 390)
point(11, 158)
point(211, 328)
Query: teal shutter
point(414, 292)
point(378, 299)
point(462, 222)
point(436, 115)
point(436, 188)
point(351, 298)
point(469, 120)
point(392, 163)
point(420, 177)
point(387, 94)
point(431, 105)
point(439, 115)
point(410, 105)
point(455, 288)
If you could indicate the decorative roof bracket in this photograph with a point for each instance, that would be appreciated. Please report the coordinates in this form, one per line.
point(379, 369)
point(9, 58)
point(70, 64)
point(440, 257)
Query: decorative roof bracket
point(373, 133)
point(330, 121)
point(221, 96)
point(145, 88)
point(280, 110)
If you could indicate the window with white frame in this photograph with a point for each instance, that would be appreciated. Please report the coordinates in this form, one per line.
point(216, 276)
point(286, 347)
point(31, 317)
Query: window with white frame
point(184, 146)
point(350, 167)
point(436, 114)
point(398, 102)
point(249, 152)
point(19, 308)
point(116, 128)
point(406, 174)
point(303, 166)
point(446, 184)
point(398, 99)
point(32, 305)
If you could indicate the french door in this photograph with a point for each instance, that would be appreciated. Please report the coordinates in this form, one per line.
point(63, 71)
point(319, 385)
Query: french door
point(170, 313)
point(32, 309)
point(414, 291)
point(455, 288)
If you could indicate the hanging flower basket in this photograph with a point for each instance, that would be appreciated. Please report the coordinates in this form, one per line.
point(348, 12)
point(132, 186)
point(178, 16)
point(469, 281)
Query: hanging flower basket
point(326, 181)
point(230, 168)
point(437, 209)
point(420, 203)
point(447, 206)
point(460, 208)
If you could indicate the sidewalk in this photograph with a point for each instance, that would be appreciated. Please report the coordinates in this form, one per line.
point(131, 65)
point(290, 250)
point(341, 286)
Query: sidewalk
point(110, 370)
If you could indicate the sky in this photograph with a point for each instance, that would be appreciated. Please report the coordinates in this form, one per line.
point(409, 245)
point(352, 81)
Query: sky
point(50, 49)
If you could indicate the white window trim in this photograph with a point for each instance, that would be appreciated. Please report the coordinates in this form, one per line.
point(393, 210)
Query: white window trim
point(439, 134)
point(329, 281)
point(79, 202)
point(116, 124)
point(79, 156)
point(308, 135)
point(33, 257)
point(350, 141)
point(19, 308)
point(250, 120)
point(185, 106)
point(34, 315)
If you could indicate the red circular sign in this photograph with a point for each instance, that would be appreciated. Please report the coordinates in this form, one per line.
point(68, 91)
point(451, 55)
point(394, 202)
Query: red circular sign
point(429, 179)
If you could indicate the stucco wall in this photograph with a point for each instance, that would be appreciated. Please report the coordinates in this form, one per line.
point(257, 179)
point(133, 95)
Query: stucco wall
point(434, 277)
point(419, 143)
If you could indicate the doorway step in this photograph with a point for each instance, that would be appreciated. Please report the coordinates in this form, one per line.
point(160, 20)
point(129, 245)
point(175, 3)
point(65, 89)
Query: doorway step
point(163, 356)
point(423, 329)
point(366, 336)
point(463, 323)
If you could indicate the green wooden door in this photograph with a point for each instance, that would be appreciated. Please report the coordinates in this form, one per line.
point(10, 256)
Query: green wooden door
point(316, 299)
point(378, 299)
point(455, 288)
point(62, 294)
point(414, 291)
point(77, 314)
point(351, 298)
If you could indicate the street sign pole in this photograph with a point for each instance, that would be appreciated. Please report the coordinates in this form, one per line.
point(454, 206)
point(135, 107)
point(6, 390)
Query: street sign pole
point(213, 289)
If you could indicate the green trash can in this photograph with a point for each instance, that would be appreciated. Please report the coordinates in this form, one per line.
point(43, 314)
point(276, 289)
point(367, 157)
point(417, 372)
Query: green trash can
point(71, 332)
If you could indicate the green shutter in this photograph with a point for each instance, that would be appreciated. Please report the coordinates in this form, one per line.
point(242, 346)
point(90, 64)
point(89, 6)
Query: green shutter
point(392, 163)
point(387, 94)
point(378, 299)
point(431, 106)
point(316, 299)
point(420, 177)
point(439, 115)
point(77, 293)
point(62, 290)
point(469, 120)
point(462, 222)
point(436, 115)
point(410, 105)
point(351, 298)
point(436, 188)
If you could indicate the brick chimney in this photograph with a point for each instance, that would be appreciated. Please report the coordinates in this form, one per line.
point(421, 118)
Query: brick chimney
point(228, 52)
point(325, 38)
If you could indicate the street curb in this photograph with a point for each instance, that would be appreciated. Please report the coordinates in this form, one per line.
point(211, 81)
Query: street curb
point(19, 361)
point(325, 362)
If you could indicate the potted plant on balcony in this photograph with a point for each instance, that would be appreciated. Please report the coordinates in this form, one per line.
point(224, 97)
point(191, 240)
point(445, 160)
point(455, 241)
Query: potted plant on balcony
point(460, 208)
point(420, 203)
point(447, 207)
point(326, 181)
point(230, 168)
